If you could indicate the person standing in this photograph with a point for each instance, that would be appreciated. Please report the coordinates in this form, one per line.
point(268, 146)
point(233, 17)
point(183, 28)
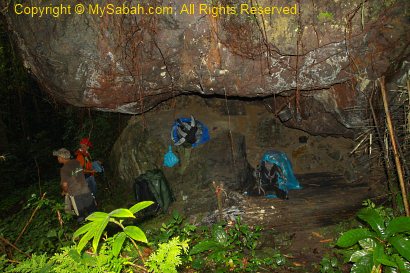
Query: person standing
point(78, 198)
point(84, 158)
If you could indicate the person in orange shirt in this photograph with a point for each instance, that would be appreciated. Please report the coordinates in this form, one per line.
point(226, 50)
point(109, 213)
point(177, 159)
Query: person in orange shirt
point(83, 156)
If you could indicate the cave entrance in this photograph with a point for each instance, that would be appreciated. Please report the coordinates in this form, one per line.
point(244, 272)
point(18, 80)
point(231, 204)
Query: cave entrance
point(263, 130)
point(241, 132)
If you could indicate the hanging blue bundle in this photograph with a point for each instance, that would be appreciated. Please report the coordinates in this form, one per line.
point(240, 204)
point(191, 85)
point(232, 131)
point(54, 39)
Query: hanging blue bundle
point(98, 167)
point(170, 159)
point(204, 137)
point(288, 181)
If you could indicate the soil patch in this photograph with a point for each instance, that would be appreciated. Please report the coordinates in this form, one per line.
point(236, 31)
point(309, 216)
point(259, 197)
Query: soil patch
point(304, 227)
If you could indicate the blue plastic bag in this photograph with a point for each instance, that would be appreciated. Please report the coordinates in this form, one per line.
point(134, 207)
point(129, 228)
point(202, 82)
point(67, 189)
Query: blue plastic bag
point(275, 167)
point(170, 159)
point(289, 181)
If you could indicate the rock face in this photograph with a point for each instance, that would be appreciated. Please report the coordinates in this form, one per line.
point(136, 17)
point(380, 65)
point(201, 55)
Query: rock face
point(130, 63)
point(134, 153)
point(238, 141)
point(222, 159)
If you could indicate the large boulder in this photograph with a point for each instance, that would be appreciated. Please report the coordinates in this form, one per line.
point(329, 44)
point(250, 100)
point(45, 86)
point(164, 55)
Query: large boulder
point(134, 152)
point(130, 63)
point(222, 159)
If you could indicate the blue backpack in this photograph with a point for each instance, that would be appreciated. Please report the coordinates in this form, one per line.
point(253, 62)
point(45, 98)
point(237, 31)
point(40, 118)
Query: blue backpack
point(201, 133)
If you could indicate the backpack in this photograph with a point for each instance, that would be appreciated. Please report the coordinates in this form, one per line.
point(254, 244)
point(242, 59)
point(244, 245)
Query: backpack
point(275, 175)
point(198, 136)
point(268, 177)
point(153, 186)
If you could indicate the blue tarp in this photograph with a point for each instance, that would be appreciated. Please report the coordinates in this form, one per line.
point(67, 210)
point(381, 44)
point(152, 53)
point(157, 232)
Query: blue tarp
point(288, 181)
point(204, 136)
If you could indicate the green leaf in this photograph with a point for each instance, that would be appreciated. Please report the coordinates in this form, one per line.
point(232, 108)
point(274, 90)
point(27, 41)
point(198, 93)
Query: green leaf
point(402, 265)
point(378, 253)
point(74, 255)
point(373, 218)
point(368, 243)
point(83, 229)
point(388, 269)
point(89, 260)
point(397, 225)
point(118, 242)
point(51, 233)
point(357, 255)
point(140, 206)
point(135, 233)
point(46, 268)
point(364, 265)
point(352, 236)
point(219, 235)
point(121, 213)
point(402, 245)
point(198, 264)
point(387, 262)
point(205, 246)
point(84, 240)
point(100, 226)
point(97, 216)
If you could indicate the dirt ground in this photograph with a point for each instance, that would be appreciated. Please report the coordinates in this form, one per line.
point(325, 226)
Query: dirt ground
point(307, 221)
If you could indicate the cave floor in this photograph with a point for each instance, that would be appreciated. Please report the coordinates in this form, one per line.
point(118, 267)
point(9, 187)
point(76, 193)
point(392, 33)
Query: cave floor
point(305, 226)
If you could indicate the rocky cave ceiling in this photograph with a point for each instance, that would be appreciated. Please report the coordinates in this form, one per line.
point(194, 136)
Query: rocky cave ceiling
point(323, 59)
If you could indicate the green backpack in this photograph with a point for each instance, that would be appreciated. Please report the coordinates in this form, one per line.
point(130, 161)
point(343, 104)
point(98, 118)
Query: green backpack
point(153, 186)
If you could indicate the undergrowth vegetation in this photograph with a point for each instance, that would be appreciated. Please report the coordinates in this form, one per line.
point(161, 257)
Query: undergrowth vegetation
point(41, 238)
point(380, 242)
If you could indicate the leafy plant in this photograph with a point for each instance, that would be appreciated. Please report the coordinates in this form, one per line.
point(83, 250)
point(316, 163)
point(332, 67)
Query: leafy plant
point(37, 263)
point(329, 265)
point(231, 247)
point(167, 257)
point(69, 260)
point(176, 227)
point(99, 221)
point(26, 227)
point(385, 212)
point(384, 243)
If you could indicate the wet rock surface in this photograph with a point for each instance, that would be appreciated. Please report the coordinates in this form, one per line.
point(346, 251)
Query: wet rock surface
point(330, 52)
point(236, 147)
